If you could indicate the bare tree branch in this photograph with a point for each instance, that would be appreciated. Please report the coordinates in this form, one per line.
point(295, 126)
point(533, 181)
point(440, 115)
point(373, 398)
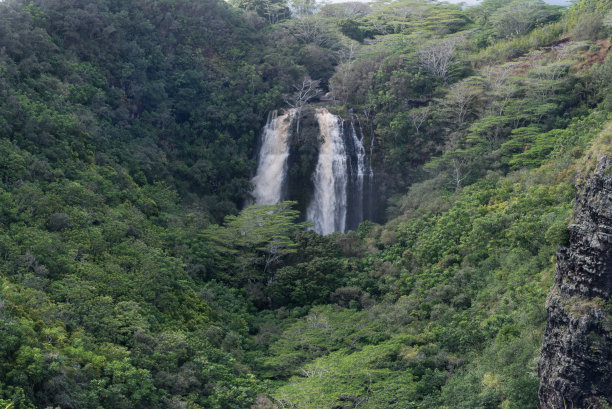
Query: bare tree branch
point(304, 92)
point(436, 58)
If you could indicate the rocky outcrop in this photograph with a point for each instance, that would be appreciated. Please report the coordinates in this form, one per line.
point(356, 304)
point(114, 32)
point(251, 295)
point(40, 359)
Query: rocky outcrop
point(575, 366)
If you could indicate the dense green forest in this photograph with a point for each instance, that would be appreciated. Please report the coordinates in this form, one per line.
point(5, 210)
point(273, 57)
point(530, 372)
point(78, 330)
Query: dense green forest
point(132, 276)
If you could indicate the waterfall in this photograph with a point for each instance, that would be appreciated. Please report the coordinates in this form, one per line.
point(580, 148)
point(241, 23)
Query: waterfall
point(342, 180)
point(369, 193)
point(272, 161)
point(328, 208)
point(357, 167)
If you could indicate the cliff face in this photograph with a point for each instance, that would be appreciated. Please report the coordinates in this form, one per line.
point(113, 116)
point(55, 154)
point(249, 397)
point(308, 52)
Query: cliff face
point(575, 366)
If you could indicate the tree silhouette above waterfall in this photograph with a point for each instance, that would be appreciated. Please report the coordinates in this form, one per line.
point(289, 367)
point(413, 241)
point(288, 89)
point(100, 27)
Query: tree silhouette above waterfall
point(304, 92)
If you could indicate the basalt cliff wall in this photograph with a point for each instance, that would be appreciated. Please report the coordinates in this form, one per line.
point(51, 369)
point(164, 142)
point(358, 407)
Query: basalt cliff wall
point(575, 366)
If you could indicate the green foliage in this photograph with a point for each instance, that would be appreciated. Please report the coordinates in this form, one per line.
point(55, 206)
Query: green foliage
point(127, 130)
point(363, 377)
point(253, 242)
point(475, 279)
point(517, 46)
point(520, 16)
point(89, 88)
point(98, 120)
point(272, 11)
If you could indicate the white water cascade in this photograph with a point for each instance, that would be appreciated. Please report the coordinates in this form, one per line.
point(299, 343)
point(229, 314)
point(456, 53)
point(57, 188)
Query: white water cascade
point(272, 162)
point(327, 210)
point(361, 153)
point(358, 173)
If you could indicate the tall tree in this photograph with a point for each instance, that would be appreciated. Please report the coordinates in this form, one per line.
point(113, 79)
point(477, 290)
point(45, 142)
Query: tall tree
point(252, 242)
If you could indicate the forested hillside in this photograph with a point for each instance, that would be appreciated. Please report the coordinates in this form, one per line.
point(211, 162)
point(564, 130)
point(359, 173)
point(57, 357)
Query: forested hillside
point(134, 275)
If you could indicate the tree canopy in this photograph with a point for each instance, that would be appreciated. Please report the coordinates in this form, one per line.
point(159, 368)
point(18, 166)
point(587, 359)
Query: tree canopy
point(133, 275)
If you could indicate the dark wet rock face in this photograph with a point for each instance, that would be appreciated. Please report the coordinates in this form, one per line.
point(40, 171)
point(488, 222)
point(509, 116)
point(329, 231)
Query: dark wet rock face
point(575, 366)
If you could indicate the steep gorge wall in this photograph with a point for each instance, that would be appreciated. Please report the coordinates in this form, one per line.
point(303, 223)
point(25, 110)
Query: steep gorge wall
point(576, 361)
